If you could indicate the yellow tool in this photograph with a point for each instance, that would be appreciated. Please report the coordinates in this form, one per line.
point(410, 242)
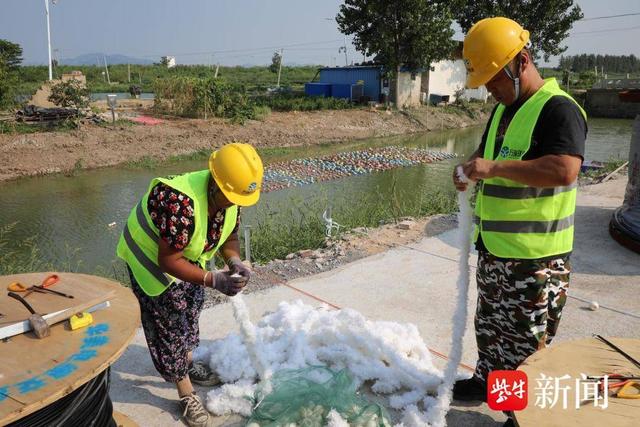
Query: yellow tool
point(80, 320)
point(630, 390)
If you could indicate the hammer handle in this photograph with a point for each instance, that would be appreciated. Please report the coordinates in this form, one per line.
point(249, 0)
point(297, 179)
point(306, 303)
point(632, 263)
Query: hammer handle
point(64, 315)
point(23, 301)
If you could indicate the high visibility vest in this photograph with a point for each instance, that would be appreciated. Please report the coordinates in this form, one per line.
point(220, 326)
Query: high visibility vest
point(138, 245)
point(515, 220)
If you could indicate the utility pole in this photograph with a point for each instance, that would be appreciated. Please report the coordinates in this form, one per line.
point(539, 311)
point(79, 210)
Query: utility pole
point(280, 66)
point(46, 8)
point(56, 58)
point(106, 68)
point(215, 76)
point(129, 72)
point(346, 60)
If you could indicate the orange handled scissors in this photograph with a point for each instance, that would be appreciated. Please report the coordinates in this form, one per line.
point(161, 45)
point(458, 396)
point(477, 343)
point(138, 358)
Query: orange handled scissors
point(50, 280)
point(627, 386)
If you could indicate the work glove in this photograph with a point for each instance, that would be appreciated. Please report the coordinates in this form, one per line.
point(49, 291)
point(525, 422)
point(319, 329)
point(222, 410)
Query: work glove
point(236, 266)
point(223, 282)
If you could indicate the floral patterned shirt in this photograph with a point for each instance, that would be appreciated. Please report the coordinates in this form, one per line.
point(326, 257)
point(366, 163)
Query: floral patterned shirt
point(172, 212)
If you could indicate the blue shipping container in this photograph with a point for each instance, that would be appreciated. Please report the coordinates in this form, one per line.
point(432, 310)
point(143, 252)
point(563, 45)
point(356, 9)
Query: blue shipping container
point(317, 89)
point(370, 76)
point(341, 90)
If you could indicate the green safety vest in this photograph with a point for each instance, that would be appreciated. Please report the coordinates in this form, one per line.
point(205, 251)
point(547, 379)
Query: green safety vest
point(518, 221)
point(138, 245)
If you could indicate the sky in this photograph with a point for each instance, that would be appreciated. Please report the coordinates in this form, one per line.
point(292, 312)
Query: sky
point(243, 32)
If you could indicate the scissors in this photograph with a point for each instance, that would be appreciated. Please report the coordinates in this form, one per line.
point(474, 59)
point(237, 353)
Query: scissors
point(48, 281)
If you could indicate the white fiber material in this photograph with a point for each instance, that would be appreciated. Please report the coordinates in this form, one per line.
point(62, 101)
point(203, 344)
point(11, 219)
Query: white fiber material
point(461, 176)
point(437, 408)
point(435, 415)
point(335, 420)
point(241, 314)
point(231, 398)
point(392, 356)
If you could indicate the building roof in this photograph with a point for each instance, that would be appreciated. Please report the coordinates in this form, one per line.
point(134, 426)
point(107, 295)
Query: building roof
point(354, 67)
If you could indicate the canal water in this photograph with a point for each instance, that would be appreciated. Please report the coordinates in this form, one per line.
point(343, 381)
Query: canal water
point(71, 219)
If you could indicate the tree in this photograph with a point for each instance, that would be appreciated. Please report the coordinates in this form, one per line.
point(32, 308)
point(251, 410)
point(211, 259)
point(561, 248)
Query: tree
point(10, 59)
point(8, 82)
point(548, 21)
point(275, 62)
point(70, 94)
point(611, 63)
point(410, 33)
point(10, 55)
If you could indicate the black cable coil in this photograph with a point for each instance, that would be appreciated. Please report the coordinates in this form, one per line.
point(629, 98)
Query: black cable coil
point(88, 406)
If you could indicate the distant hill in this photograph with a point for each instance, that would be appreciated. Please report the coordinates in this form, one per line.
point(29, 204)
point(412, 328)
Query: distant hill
point(94, 58)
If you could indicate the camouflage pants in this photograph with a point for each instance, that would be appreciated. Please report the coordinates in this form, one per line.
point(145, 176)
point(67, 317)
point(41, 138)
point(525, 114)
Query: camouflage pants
point(519, 308)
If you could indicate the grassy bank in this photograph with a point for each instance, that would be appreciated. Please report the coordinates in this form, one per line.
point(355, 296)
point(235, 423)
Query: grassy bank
point(301, 226)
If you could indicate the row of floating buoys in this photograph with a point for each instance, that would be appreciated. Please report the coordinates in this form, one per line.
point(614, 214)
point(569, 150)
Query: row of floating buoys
point(350, 163)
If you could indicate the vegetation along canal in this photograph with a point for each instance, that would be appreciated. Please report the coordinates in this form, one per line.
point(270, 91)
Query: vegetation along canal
point(68, 222)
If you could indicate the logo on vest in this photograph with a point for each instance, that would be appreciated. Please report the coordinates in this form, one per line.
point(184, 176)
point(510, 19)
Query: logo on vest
point(508, 153)
point(251, 188)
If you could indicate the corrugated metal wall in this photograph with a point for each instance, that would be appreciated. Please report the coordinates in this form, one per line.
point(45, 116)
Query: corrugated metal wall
point(351, 75)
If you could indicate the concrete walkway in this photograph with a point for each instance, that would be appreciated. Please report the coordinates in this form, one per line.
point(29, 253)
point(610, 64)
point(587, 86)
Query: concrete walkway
point(417, 286)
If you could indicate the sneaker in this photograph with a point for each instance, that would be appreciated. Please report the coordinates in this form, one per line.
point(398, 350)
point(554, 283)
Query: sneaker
point(469, 389)
point(194, 413)
point(201, 374)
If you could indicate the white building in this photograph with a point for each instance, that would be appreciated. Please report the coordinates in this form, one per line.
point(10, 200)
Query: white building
point(169, 61)
point(447, 78)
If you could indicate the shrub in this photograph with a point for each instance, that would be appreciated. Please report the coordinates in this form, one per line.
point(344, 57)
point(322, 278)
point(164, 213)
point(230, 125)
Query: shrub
point(194, 97)
point(70, 94)
point(261, 112)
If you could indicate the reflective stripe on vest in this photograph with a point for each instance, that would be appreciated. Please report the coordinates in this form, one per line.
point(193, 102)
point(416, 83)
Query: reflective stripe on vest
point(525, 226)
point(504, 192)
point(143, 259)
point(515, 220)
point(138, 245)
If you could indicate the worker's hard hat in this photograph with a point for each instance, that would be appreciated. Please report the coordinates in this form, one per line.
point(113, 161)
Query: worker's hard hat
point(237, 169)
point(490, 45)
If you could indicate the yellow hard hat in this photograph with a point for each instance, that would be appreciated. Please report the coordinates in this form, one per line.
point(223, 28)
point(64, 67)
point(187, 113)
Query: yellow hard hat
point(490, 45)
point(237, 169)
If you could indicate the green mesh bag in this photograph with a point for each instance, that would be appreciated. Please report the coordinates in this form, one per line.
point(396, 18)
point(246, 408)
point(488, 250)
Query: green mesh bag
point(304, 398)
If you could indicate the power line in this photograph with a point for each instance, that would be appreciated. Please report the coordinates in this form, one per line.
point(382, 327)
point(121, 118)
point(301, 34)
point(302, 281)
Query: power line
point(608, 30)
point(256, 49)
point(609, 16)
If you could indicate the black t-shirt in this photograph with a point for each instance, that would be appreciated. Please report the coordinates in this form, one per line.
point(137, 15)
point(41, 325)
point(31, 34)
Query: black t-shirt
point(560, 129)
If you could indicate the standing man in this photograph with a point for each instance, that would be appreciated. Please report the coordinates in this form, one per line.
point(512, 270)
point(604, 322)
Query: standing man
point(526, 168)
point(179, 225)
